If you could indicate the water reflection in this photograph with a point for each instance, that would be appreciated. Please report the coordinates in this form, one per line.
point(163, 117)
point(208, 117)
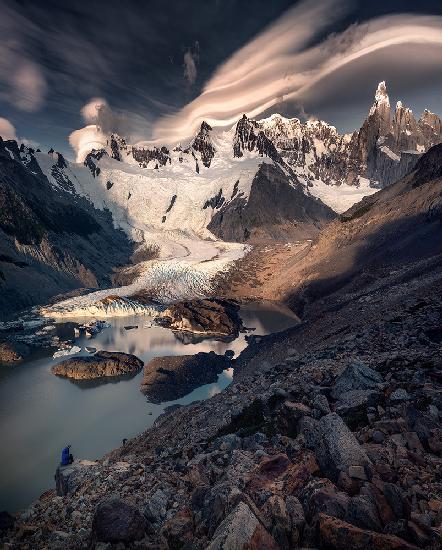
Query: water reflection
point(40, 413)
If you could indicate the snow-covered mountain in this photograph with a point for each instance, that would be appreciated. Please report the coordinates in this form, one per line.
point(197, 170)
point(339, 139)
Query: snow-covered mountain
point(259, 180)
point(337, 168)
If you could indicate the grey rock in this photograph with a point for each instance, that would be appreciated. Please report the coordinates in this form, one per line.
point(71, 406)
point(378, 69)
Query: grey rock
point(156, 508)
point(337, 448)
point(241, 530)
point(396, 500)
point(320, 403)
point(116, 520)
point(377, 436)
point(68, 478)
point(308, 427)
point(363, 513)
point(356, 376)
point(400, 395)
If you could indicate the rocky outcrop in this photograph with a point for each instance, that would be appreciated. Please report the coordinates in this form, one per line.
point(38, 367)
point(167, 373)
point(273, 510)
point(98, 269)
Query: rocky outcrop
point(100, 365)
point(158, 156)
point(275, 208)
point(170, 378)
point(203, 144)
point(207, 317)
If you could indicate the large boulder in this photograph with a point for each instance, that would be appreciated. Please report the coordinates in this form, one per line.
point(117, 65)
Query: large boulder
point(69, 478)
point(172, 377)
point(356, 376)
point(208, 317)
point(241, 530)
point(102, 364)
point(337, 449)
point(116, 520)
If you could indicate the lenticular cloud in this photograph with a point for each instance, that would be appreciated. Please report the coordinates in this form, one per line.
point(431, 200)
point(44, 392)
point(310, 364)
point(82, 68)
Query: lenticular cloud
point(282, 64)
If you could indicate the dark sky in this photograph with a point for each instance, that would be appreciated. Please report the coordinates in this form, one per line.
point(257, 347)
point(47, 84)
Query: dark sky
point(57, 55)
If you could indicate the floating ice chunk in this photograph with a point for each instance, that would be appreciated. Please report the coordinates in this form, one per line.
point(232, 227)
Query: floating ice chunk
point(64, 352)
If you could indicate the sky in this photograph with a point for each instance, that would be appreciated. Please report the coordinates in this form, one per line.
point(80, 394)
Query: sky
point(153, 70)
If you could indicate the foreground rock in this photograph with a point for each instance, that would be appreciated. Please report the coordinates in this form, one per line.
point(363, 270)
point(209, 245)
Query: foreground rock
point(102, 364)
point(170, 378)
point(241, 530)
point(209, 317)
point(116, 520)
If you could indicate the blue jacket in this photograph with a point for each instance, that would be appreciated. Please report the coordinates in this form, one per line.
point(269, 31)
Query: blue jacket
point(65, 456)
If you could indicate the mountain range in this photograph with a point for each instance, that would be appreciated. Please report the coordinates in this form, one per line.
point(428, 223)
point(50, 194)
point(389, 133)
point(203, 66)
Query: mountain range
point(66, 225)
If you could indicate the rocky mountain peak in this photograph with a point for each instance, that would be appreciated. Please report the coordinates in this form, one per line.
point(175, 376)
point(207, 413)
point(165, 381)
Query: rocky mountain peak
point(203, 144)
point(381, 110)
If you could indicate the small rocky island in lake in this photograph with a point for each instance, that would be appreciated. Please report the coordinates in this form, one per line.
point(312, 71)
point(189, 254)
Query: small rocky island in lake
point(210, 317)
point(102, 364)
point(170, 378)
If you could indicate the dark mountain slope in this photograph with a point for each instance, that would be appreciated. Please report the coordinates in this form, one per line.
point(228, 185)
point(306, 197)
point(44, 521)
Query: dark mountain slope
point(275, 209)
point(395, 232)
point(51, 241)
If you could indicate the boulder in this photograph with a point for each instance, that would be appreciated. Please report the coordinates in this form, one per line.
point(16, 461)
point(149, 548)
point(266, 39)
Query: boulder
point(335, 534)
point(289, 415)
point(68, 478)
point(321, 496)
point(363, 513)
point(116, 520)
point(241, 530)
point(172, 377)
point(208, 317)
point(356, 376)
point(337, 448)
point(102, 364)
point(352, 406)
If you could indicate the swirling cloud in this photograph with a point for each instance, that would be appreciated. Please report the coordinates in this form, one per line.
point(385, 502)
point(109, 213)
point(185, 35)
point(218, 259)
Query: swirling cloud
point(281, 64)
point(7, 130)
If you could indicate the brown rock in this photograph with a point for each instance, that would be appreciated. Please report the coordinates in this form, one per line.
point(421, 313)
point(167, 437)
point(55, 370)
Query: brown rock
point(9, 353)
point(102, 364)
point(209, 317)
point(241, 530)
point(335, 534)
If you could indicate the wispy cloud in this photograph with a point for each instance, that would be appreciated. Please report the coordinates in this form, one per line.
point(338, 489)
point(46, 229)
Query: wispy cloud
point(191, 60)
point(22, 81)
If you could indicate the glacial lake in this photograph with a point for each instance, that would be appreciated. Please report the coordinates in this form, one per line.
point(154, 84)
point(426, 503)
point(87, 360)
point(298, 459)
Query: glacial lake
point(41, 413)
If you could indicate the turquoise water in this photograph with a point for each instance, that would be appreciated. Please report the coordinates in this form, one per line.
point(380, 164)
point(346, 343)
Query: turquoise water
point(40, 413)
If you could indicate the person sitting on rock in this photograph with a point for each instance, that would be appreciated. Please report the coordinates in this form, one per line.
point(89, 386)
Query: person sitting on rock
point(66, 456)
